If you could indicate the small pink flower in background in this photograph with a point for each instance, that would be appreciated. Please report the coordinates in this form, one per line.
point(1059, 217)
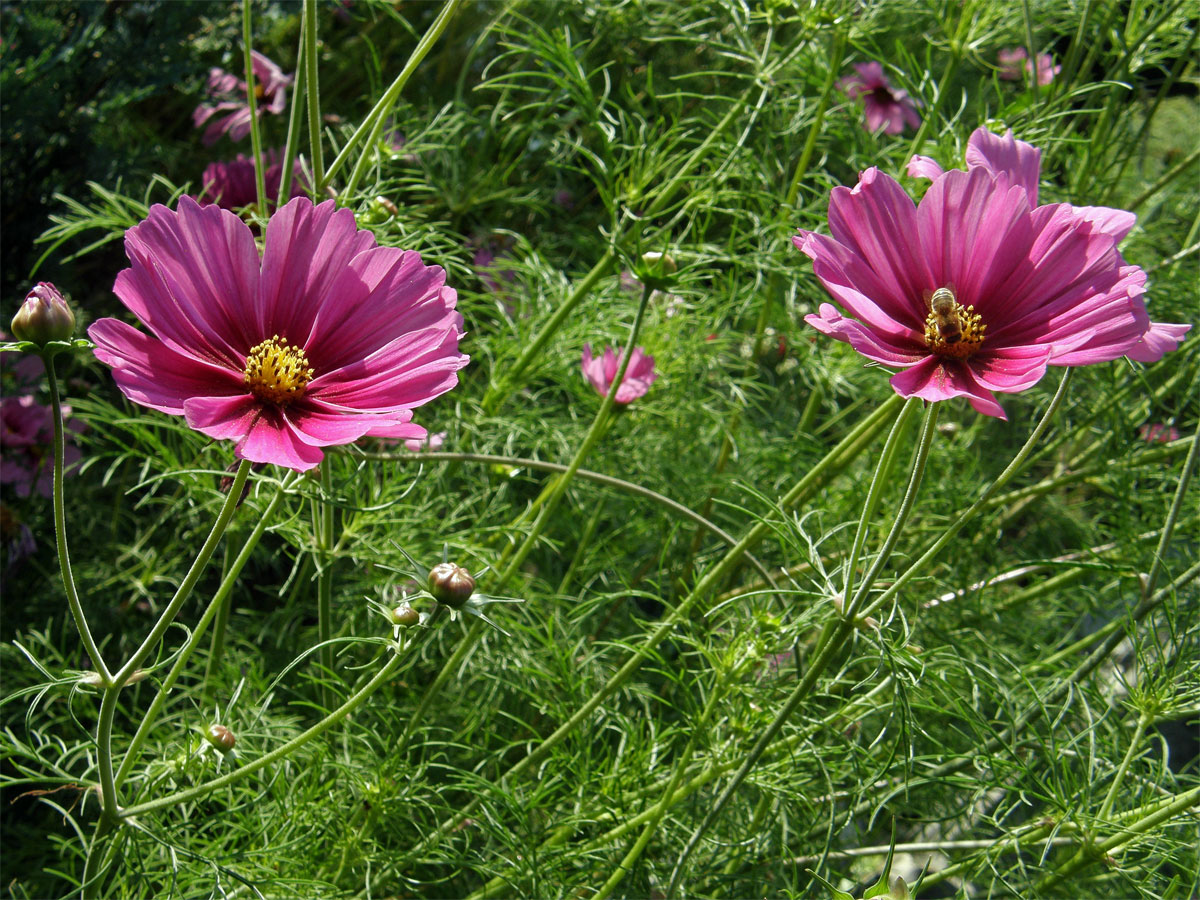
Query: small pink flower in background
point(601, 370)
point(231, 184)
point(230, 96)
point(1158, 433)
point(323, 339)
point(27, 442)
point(1020, 286)
point(1015, 62)
point(430, 442)
point(884, 107)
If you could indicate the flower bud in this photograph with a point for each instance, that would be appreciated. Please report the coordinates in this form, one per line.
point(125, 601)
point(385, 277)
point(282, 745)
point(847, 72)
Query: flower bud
point(655, 270)
point(44, 316)
point(220, 737)
point(451, 584)
point(405, 616)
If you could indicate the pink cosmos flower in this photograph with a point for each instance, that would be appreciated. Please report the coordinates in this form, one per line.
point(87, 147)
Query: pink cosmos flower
point(1020, 286)
point(323, 339)
point(884, 107)
point(430, 442)
point(601, 371)
point(27, 442)
point(229, 92)
point(231, 185)
point(1158, 433)
point(1015, 61)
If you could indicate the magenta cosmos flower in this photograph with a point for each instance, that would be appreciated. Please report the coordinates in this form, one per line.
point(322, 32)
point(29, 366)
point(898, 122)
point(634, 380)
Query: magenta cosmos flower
point(324, 339)
point(884, 107)
point(229, 92)
point(978, 289)
point(1015, 61)
point(231, 184)
point(601, 370)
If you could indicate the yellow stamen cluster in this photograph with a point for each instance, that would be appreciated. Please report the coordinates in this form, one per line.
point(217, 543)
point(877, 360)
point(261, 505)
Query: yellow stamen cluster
point(276, 371)
point(970, 325)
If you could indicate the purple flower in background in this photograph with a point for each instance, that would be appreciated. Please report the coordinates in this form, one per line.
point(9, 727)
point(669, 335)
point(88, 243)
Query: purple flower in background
point(1015, 61)
point(230, 96)
point(231, 184)
point(601, 370)
point(978, 289)
point(27, 442)
point(884, 107)
point(1158, 433)
point(430, 442)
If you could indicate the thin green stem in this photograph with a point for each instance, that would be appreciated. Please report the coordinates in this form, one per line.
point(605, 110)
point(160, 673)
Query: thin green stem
point(559, 487)
point(957, 525)
point(218, 606)
point(108, 702)
point(324, 522)
point(832, 639)
point(372, 125)
point(217, 647)
point(60, 529)
point(295, 113)
point(354, 702)
point(252, 100)
point(312, 93)
point(1177, 505)
point(837, 459)
point(1118, 781)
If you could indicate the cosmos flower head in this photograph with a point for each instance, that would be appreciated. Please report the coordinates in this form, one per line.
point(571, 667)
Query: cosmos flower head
point(27, 444)
point(229, 113)
point(1015, 62)
point(231, 184)
point(322, 339)
point(977, 289)
point(1158, 433)
point(601, 370)
point(884, 107)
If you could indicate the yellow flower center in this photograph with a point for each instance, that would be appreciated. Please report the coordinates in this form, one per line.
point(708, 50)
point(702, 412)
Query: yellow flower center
point(276, 371)
point(952, 329)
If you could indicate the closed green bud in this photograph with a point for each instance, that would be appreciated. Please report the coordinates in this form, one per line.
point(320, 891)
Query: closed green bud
point(44, 316)
point(220, 737)
point(451, 584)
point(655, 270)
point(405, 616)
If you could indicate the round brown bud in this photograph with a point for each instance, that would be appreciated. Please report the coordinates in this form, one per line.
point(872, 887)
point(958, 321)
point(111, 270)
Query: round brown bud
point(405, 616)
point(451, 584)
point(44, 316)
point(220, 737)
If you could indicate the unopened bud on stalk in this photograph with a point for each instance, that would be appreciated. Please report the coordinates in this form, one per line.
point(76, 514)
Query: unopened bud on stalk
point(44, 316)
point(220, 737)
point(655, 270)
point(405, 616)
point(451, 584)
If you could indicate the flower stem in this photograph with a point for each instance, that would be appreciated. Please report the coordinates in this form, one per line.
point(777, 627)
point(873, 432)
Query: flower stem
point(1160, 553)
point(372, 125)
point(251, 99)
point(60, 529)
point(957, 525)
point(324, 522)
point(108, 701)
point(837, 459)
point(351, 704)
point(1118, 782)
point(312, 92)
point(559, 487)
point(831, 639)
point(295, 110)
point(218, 606)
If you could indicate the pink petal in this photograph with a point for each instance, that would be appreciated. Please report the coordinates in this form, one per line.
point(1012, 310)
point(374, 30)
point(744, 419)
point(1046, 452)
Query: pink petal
point(975, 231)
point(937, 379)
point(152, 374)
point(272, 439)
point(1020, 161)
point(1116, 223)
point(869, 342)
point(223, 418)
point(305, 265)
point(1011, 369)
point(924, 167)
point(1159, 338)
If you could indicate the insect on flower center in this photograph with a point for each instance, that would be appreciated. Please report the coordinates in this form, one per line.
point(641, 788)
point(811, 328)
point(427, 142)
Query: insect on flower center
point(276, 371)
point(952, 329)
